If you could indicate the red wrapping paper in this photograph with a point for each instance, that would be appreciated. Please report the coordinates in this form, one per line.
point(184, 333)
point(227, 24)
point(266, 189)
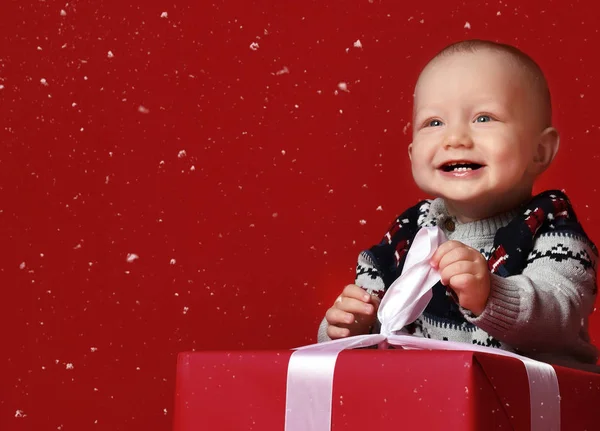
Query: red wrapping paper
point(376, 390)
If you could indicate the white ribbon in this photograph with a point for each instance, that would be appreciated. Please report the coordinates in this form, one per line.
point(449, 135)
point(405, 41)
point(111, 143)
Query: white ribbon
point(407, 297)
point(311, 368)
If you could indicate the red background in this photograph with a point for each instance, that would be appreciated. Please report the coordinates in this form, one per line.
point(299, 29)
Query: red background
point(238, 176)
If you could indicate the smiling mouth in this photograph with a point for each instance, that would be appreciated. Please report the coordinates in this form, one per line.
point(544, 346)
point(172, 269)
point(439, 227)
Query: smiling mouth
point(460, 166)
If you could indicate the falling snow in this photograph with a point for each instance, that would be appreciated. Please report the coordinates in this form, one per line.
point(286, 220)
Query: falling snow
point(110, 54)
point(181, 154)
point(282, 71)
point(44, 82)
point(131, 257)
point(172, 262)
point(63, 12)
point(357, 44)
point(185, 310)
point(22, 265)
point(143, 110)
point(20, 414)
point(342, 86)
point(164, 15)
point(69, 366)
point(362, 222)
point(467, 25)
point(254, 46)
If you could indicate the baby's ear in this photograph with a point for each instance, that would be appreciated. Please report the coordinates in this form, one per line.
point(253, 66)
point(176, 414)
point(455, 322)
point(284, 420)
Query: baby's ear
point(410, 151)
point(546, 149)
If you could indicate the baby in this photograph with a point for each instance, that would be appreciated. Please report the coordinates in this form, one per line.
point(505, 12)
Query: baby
point(517, 272)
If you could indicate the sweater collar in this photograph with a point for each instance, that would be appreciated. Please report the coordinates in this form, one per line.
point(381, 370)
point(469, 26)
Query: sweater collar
point(479, 228)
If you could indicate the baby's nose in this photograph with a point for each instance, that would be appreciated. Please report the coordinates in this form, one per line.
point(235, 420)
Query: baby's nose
point(458, 137)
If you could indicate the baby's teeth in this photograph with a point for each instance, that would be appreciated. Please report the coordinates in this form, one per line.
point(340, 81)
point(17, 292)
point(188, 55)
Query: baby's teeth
point(462, 169)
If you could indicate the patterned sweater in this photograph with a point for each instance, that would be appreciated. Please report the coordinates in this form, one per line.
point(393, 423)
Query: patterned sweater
point(541, 313)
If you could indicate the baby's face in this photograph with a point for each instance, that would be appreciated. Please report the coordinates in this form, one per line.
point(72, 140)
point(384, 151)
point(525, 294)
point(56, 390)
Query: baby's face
point(475, 130)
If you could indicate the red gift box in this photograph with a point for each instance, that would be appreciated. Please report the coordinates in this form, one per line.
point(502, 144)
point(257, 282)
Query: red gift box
point(376, 390)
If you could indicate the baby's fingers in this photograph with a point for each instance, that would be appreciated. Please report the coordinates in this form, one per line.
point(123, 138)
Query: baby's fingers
point(335, 332)
point(336, 317)
point(356, 292)
point(456, 268)
point(442, 251)
point(354, 306)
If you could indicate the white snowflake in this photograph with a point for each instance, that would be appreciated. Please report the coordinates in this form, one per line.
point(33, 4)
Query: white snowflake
point(110, 54)
point(44, 82)
point(343, 86)
point(405, 128)
point(172, 262)
point(181, 154)
point(131, 257)
point(63, 12)
point(357, 44)
point(164, 15)
point(467, 25)
point(69, 366)
point(254, 46)
point(143, 110)
point(20, 414)
point(363, 222)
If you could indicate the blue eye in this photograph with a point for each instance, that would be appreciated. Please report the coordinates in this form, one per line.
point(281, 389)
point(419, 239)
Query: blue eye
point(483, 119)
point(434, 123)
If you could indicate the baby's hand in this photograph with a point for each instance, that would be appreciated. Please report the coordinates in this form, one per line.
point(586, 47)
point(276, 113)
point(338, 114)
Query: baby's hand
point(352, 313)
point(466, 272)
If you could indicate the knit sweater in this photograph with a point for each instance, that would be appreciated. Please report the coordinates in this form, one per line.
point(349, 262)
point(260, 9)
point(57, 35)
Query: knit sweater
point(541, 313)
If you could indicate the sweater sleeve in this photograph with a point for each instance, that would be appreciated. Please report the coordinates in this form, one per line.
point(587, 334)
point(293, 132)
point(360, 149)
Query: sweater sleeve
point(544, 310)
point(322, 334)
